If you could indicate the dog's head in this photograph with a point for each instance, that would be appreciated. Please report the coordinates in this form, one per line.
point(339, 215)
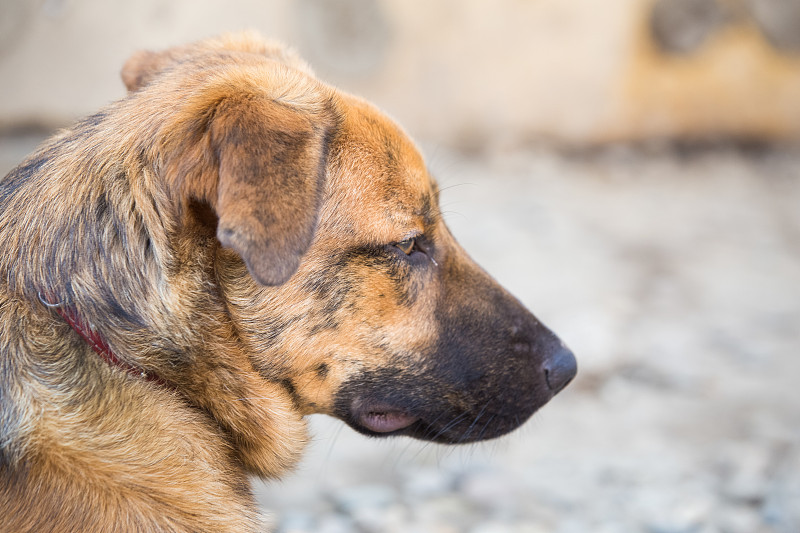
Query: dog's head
point(338, 271)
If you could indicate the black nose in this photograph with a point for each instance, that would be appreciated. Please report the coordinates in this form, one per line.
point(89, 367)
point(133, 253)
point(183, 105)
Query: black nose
point(560, 368)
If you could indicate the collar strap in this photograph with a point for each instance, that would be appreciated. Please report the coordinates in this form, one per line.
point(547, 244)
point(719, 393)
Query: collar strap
point(99, 344)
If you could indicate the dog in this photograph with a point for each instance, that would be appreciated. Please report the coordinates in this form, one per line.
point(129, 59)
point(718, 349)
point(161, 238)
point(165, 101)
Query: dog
point(232, 246)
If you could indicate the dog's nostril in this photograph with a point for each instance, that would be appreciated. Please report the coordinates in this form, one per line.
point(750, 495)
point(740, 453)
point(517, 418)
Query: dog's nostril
point(560, 368)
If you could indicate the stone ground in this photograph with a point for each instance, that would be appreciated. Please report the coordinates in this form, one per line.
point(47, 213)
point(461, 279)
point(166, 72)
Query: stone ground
point(674, 274)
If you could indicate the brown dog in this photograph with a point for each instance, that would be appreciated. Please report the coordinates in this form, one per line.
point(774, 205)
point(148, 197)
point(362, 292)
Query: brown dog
point(187, 273)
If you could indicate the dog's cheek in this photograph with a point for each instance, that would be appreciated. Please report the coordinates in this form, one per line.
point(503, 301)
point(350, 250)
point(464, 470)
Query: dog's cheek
point(367, 326)
point(314, 387)
point(343, 313)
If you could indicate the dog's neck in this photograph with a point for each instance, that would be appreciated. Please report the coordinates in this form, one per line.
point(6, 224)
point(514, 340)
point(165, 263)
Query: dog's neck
point(99, 345)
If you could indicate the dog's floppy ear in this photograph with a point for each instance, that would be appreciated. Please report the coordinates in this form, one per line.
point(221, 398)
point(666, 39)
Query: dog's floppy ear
point(253, 144)
point(141, 67)
point(272, 165)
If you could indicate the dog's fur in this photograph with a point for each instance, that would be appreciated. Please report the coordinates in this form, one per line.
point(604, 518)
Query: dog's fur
point(267, 246)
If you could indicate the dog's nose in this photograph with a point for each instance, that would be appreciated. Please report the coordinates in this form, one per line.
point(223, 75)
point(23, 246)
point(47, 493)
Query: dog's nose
point(560, 368)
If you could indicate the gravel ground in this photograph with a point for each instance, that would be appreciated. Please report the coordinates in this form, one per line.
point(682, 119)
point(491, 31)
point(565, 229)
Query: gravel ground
point(675, 277)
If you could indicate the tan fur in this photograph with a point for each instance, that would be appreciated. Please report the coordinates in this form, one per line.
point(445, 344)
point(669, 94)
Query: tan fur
point(229, 227)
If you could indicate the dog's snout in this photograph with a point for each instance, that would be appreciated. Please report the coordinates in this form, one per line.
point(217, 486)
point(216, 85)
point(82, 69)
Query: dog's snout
point(560, 369)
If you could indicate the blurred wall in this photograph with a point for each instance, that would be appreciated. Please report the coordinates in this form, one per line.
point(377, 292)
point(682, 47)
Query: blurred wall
point(463, 72)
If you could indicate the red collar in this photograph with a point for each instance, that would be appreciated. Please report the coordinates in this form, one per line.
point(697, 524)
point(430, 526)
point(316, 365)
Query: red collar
point(99, 344)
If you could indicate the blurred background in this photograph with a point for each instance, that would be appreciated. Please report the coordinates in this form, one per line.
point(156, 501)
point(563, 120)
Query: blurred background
point(629, 169)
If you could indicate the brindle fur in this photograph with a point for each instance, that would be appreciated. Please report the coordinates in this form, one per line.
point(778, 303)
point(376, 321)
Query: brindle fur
point(229, 227)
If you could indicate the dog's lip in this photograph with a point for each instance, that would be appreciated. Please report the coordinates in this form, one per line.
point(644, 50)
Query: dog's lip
point(382, 418)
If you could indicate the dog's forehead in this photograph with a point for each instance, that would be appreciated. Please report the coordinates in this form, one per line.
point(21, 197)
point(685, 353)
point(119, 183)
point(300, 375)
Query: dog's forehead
point(377, 171)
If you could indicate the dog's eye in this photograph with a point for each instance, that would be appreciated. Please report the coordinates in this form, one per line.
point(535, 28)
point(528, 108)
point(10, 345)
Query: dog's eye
point(407, 246)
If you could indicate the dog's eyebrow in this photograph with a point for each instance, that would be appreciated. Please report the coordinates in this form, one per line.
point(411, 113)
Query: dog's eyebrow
point(432, 213)
point(428, 210)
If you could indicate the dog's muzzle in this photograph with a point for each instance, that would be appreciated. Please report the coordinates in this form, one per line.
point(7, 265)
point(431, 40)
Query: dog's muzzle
point(491, 367)
point(466, 401)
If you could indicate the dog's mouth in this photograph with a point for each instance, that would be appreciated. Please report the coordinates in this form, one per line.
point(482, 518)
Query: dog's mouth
point(381, 419)
point(386, 402)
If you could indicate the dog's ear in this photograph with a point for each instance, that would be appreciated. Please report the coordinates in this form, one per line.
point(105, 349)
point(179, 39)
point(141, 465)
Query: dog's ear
point(271, 159)
point(253, 144)
point(140, 68)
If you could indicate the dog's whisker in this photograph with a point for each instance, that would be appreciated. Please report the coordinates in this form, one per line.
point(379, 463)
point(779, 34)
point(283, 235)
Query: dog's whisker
point(405, 449)
point(333, 444)
point(451, 425)
point(486, 426)
point(427, 438)
point(318, 391)
point(304, 387)
point(454, 185)
point(472, 425)
point(431, 431)
point(431, 424)
point(455, 213)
